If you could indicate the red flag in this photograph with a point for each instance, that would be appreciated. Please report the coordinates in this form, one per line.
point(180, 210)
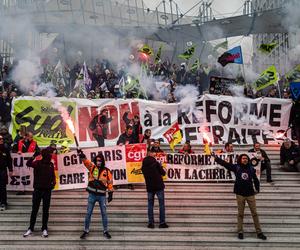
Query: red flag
point(173, 135)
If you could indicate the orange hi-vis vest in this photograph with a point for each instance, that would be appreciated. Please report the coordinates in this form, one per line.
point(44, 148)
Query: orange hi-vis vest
point(100, 180)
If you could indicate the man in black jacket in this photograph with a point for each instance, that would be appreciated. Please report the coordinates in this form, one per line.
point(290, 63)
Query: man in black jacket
point(126, 137)
point(243, 188)
point(290, 156)
point(153, 172)
point(44, 182)
point(263, 157)
point(136, 126)
point(295, 119)
point(5, 163)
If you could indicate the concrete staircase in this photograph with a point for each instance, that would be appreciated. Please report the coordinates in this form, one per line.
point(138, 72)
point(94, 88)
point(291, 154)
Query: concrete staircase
point(200, 215)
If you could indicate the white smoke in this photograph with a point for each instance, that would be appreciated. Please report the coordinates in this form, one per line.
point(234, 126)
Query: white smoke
point(187, 96)
point(45, 89)
point(27, 74)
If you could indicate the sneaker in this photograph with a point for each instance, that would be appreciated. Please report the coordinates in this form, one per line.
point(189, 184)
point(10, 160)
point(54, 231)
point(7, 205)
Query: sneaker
point(2, 207)
point(84, 234)
point(150, 225)
point(261, 236)
point(130, 186)
point(241, 236)
point(45, 233)
point(164, 225)
point(106, 235)
point(28, 233)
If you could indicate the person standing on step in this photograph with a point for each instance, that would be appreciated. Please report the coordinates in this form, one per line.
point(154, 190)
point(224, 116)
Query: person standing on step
point(100, 180)
point(153, 172)
point(5, 163)
point(243, 188)
point(44, 182)
point(263, 157)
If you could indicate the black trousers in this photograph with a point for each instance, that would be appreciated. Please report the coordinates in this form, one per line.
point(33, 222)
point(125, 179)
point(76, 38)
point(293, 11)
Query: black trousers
point(100, 140)
point(266, 165)
point(37, 196)
point(3, 193)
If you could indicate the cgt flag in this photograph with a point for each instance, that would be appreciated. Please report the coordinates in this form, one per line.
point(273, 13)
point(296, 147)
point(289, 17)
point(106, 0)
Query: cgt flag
point(231, 56)
point(173, 135)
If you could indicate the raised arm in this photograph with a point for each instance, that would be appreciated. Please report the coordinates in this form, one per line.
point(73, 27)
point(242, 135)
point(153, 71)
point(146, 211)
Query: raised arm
point(225, 164)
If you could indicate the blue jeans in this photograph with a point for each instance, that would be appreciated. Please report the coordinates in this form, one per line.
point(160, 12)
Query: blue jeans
point(161, 200)
point(91, 203)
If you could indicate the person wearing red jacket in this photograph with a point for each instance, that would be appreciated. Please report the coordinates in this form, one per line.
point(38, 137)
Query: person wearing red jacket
point(100, 180)
point(186, 149)
point(28, 144)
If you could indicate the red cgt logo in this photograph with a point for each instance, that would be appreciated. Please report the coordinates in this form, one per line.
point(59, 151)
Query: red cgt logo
point(135, 153)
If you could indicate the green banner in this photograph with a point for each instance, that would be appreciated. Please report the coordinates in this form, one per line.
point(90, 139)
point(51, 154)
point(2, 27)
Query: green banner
point(294, 74)
point(42, 119)
point(266, 78)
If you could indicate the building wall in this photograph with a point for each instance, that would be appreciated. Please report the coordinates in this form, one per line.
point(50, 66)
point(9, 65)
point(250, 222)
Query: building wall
point(279, 56)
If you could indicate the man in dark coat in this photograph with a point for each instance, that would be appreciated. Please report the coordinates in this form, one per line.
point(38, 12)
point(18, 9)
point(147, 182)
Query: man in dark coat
point(263, 157)
point(243, 188)
point(5, 163)
point(153, 172)
point(295, 119)
point(290, 156)
point(126, 137)
point(44, 182)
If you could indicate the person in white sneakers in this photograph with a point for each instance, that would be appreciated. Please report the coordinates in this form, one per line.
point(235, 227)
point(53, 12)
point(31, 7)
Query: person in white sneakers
point(44, 182)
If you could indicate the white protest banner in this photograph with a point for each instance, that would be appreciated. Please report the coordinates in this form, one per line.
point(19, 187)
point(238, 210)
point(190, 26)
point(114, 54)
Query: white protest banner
point(201, 168)
point(22, 178)
point(100, 122)
point(73, 173)
point(69, 170)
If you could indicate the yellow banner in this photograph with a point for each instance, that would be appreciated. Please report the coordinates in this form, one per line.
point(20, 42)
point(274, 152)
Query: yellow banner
point(44, 120)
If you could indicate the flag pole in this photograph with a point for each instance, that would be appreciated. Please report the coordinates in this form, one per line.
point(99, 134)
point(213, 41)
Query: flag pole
point(278, 87)
point(243, 69)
